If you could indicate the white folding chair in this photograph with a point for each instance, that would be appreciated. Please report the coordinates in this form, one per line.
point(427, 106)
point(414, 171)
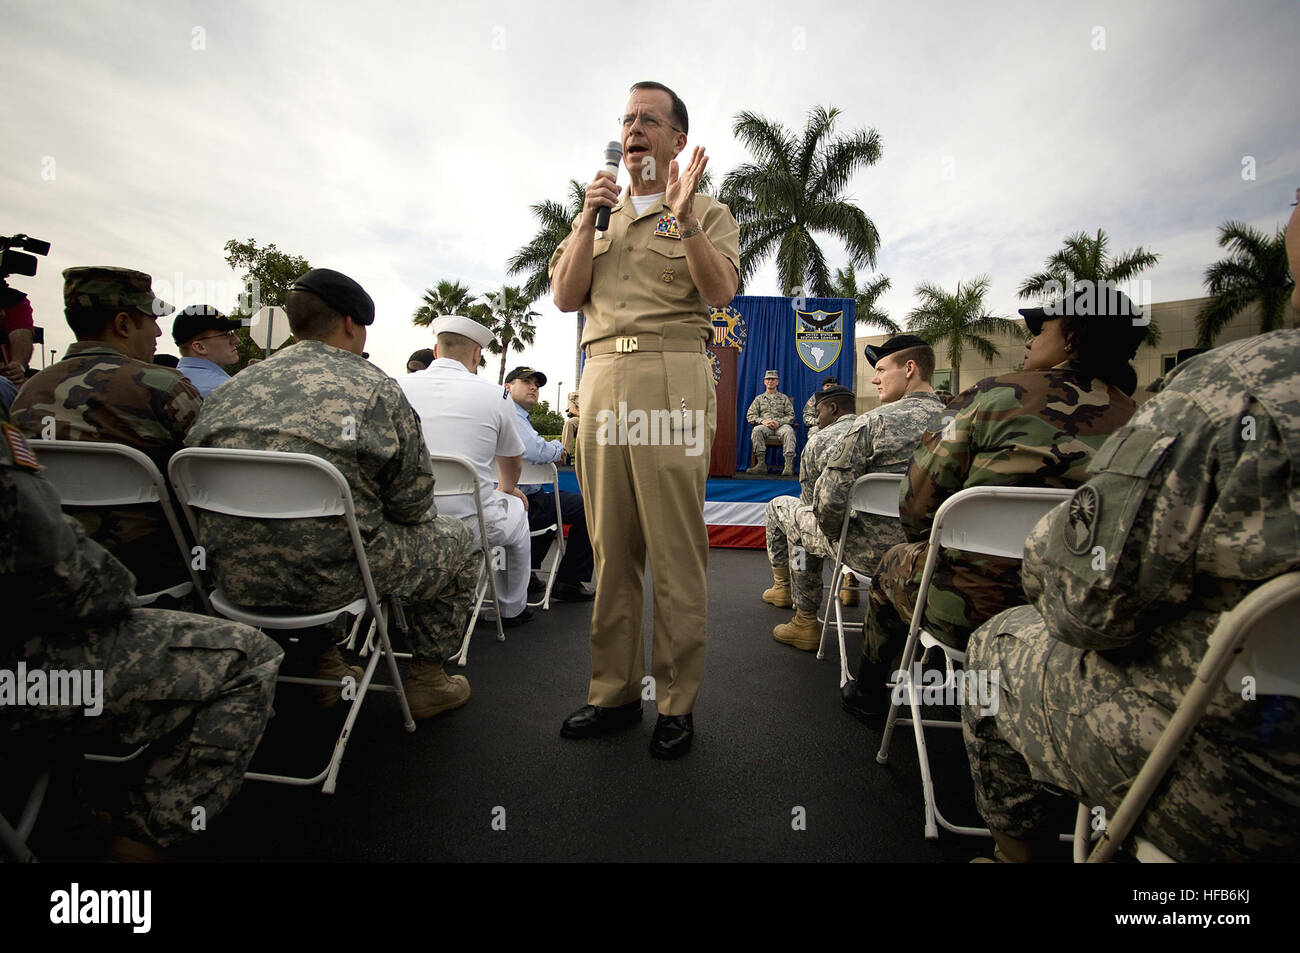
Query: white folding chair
point(876, 494)
point(546, 473)
point(455, 476)
point(1256, 638)
point(103, 475)
point(272, 485)
point(996, 521)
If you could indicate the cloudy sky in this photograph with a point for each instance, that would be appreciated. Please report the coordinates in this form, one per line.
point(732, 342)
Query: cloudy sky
point(403, 142)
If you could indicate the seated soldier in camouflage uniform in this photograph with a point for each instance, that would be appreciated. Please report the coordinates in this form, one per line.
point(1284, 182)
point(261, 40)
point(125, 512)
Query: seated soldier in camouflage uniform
point(320, 396)
point(107, 389)
point(202, 687)
point(810, 407)
point(795, 546)
point(771, 414)
point(880, 441)
point(1190, 508)
point(1036, 427)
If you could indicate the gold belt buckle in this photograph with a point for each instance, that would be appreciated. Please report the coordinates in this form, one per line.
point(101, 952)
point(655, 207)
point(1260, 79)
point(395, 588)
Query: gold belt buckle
point(625, 345)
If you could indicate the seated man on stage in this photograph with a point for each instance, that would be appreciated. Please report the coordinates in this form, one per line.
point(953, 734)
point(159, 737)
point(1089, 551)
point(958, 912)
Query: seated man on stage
point(772, 415)
point(575, 569)
point(795, 546)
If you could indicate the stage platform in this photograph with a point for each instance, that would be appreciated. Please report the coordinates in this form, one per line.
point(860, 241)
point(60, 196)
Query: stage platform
point(733, 506)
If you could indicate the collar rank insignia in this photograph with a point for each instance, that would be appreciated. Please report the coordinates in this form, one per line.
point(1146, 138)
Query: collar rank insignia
point(667, 225)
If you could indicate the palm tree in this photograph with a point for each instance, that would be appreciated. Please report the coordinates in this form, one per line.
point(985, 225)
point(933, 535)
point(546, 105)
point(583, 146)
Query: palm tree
point(846, 286)
point(794, 188)
point(1255, 270)
point(449, 297)
point(511, 321)
point(1083, 258)
point(960, 321)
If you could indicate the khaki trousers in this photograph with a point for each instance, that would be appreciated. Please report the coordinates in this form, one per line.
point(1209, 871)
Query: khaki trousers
point(647, 426)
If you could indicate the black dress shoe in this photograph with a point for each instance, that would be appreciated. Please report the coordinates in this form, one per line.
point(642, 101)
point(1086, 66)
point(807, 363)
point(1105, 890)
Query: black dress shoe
point(571, 592)
point(535, 586)
point(673, 735)
point(514, 620)
point(590, 721)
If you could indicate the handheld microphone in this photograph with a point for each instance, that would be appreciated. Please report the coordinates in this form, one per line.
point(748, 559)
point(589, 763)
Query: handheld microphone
point(613, 154)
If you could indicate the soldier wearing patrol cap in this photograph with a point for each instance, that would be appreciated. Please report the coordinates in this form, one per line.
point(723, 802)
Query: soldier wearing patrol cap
point(322, 397)
point(107, 389)
point(465, 415)
point(645, 286)
point(208, 345)
point(772, 415)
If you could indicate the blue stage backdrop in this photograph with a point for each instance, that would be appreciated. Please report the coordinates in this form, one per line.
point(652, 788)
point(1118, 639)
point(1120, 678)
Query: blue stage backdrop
point(793, 342)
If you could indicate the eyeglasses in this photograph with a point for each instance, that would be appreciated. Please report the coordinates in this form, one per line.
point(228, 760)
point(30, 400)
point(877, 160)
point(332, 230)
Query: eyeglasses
point(230, 335)
point(648, 120)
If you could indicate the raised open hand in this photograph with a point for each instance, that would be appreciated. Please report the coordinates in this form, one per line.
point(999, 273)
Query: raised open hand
point(682, 186)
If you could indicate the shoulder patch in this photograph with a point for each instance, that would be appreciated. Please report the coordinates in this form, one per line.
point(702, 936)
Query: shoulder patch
point(1082, 518)
point(19, 450)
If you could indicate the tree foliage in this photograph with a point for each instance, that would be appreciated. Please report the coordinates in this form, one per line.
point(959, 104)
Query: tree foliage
point(958, 320)
point(793, 188)
point(1255, 270)
point(266, 274)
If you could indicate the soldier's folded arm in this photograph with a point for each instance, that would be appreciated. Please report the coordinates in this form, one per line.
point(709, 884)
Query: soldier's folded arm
point(752, 415)
point(405, 477)
point(938, 469)
point(1119, 558)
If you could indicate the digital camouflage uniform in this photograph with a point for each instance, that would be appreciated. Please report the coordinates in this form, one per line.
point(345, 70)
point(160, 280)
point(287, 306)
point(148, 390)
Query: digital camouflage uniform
point(790, 520)
point(776, 407)
point(1196, 504)
point(1028, 428)
point(810, 416)
point(98, 393)
point(315, 398)
point(880, 441)
point(201, 687)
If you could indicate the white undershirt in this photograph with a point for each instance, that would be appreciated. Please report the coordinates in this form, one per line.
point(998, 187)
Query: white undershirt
point(643, 202)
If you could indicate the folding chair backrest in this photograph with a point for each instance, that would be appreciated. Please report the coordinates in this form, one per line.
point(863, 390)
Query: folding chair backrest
point(877, 494)
point(453, 475)
point(267, 484)
point(538, 473)
point(994, 520)
point(260, 484)
point(1266, 622)
point(99, 474)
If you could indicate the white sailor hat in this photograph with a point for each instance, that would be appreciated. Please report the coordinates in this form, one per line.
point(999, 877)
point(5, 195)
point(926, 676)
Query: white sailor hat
point(467, 327)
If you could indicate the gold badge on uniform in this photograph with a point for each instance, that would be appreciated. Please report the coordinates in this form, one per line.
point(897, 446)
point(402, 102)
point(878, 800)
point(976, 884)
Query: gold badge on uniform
point(667, 275)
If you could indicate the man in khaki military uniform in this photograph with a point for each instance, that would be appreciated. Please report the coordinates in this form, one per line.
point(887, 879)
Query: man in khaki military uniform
point(648, 412)
point(772, 415)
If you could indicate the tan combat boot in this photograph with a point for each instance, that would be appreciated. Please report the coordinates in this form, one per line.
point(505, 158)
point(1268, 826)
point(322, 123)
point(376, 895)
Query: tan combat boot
point(779, 595)
point(789, 465)
point(429, 690)
point(330, 665)
point(760, 463)
point(801, 632)
point(849, 592)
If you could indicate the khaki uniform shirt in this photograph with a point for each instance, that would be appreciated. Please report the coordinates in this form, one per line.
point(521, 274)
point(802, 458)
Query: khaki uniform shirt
point(640, 283)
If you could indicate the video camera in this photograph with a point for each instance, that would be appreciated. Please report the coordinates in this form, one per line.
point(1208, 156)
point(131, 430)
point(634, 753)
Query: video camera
point(15, 262)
